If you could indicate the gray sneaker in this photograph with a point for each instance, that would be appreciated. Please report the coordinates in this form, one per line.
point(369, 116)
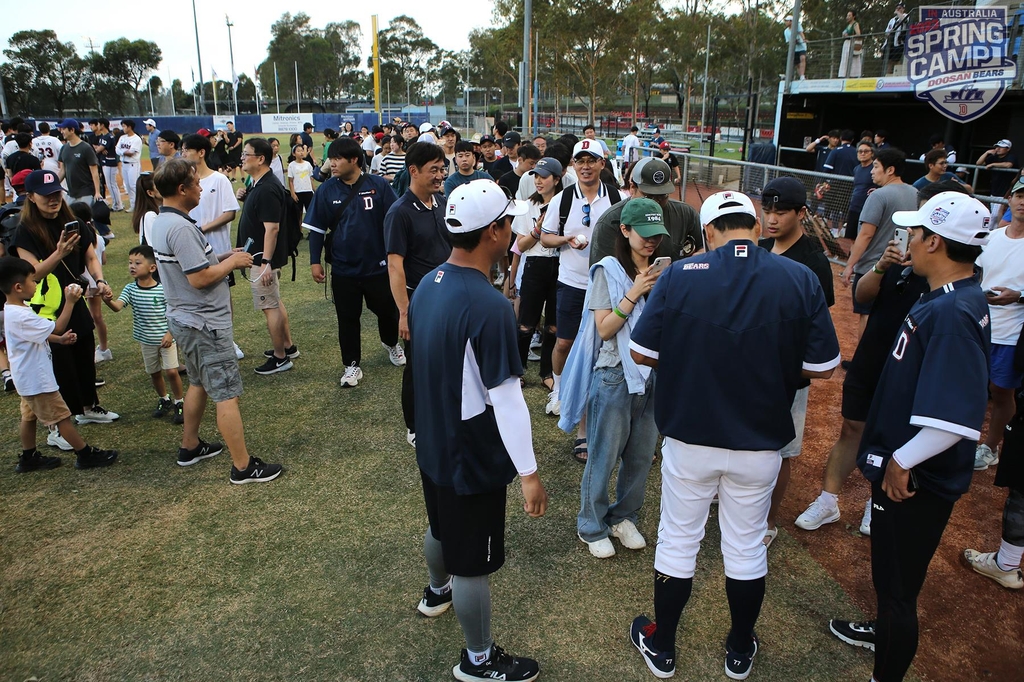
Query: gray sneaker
point(984, 457)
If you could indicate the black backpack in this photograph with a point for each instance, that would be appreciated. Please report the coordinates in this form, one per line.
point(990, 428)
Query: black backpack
point(566, 204)
point(292, 229)
point(10, 217)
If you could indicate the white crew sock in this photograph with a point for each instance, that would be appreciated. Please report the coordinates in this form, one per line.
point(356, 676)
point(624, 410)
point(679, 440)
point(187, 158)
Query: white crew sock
point(444, 589)
point(558, 382)
point(479, 657)
point(1009, 556)
point(831, 499)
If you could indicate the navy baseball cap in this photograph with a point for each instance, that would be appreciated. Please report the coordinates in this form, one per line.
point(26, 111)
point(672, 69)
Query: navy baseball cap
point(547, 167)
point(68, 123)
point(784, 193)
point(42, 182)
point(487, 138)
point(511, 139)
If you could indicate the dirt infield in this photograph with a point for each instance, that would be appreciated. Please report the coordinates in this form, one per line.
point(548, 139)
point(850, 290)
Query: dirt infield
point(971, 628)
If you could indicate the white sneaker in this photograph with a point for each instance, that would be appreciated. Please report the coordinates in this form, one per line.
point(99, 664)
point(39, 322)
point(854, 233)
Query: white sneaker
point(865, 521)
point(54, 439)
point(532, 356)
point(817, 515)
point(500, 279)
point(410, 438)
point(554, 406)
point(96, 415)
point(628, 535)
point(602, 549)
point(352, 376)
point(984, 457)
point(535, 342)
point(102, 355)
point(395, 354)
point(986, 565)
point(238, 352)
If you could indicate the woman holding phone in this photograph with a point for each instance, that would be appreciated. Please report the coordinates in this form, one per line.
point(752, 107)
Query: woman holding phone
point(617, 394)
point(61, 248)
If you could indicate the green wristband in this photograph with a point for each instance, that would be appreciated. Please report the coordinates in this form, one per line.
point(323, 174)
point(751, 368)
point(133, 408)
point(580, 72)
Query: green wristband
point(620, 313)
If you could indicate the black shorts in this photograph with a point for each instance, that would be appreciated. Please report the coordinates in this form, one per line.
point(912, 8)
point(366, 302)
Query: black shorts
point(537, 292)
point(797, 56)
point(569, 311)
point(1010, 473)
point(856, 401)
point(859, 308)
point(470, 528)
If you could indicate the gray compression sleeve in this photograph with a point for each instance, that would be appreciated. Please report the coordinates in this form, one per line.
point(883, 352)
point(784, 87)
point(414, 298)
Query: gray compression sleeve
point(435, 561)
point(471, 598)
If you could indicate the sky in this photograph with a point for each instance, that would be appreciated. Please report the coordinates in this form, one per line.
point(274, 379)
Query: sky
point(250, 33)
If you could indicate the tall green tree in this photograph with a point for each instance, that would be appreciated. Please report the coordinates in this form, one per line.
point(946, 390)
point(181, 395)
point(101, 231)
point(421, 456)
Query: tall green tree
point(128, 62)
point(43, 72)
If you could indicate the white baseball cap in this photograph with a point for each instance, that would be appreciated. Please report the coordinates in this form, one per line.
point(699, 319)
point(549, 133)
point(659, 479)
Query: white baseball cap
point(1004, 143)
point(477, 204)
point(724, 203)
point(426, 127)
point(592, 147)
point(952, 215)
point(149, 122)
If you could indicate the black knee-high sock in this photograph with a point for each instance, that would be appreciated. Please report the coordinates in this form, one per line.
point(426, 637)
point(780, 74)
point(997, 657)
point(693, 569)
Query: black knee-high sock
point(670, 597)
point(547, 347)
point(524, 346)
point(745, 598)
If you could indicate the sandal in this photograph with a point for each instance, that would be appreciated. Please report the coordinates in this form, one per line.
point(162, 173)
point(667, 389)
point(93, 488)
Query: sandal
point(770, 535)
point(548, 383)
point(579, 450)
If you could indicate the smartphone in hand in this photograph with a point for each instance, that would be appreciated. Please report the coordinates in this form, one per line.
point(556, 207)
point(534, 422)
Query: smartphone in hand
point(71, 228)
point(902, 237)
point(659, 265)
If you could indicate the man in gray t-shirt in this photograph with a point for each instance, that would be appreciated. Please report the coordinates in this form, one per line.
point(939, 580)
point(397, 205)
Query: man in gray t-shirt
point(199, 318)
point(876, 226)
point(78, 165)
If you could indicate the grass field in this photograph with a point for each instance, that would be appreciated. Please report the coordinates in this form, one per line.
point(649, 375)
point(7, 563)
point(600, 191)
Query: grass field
point(148, 571)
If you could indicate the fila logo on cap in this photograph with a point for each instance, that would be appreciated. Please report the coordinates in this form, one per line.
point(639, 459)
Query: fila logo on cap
point(451, 209)
point(741, 250)
point(938, 216)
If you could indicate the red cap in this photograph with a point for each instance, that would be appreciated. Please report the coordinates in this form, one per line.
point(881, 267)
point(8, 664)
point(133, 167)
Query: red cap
point(18, 180)
point(665, 145)
point(378, 136)
point(205, 132)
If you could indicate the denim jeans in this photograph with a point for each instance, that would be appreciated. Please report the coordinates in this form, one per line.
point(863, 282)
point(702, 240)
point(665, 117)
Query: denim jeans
point(620, 426)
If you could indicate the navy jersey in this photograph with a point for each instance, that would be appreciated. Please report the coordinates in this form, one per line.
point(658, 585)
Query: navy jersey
point(109, 142)
point(464, 338)
point(356, 248)
point(841, 160)
point(936, 375)
point(732, 331)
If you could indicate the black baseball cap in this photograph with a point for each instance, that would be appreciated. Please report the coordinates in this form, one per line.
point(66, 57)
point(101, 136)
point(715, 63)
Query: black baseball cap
point(511, 139)
point(487, 138)
point(784, 193)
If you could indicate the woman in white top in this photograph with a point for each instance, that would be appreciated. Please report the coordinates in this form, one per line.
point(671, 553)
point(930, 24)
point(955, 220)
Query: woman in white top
point(147, 205)
point(537, 283)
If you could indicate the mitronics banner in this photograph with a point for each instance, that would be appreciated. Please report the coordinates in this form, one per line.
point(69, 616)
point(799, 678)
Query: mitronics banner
point(957, 59)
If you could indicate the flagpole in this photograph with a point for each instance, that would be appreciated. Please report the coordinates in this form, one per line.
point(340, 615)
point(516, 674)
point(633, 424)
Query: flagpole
point(277, 93)
point(199, 55)
point(298, 98)
point(231, 53)
point(214, 83)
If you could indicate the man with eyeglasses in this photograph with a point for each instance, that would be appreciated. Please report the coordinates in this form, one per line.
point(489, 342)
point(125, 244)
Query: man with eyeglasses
point(590, 199)
point(888, 290)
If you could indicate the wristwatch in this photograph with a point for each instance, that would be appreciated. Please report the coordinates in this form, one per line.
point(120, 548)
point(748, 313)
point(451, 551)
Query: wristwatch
point(1020, 299)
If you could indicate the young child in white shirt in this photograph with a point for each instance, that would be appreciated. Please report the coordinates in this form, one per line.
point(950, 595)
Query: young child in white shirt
point(300, 177)
point(28, 347)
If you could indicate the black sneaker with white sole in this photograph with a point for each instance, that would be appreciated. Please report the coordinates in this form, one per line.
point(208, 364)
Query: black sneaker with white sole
point(434, 604)
point(661, 663)
point(860, 634)
point(290, 353)
point(738, 664)
point(274, 365)
point(500, 666)
point(200, 452)
point(95, 458)
point(258, 471)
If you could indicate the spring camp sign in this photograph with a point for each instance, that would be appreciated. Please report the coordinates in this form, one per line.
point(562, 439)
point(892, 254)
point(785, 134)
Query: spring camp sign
point(957, 59)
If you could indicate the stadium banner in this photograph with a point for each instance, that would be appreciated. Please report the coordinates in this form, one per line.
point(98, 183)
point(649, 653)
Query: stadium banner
point(283, 123)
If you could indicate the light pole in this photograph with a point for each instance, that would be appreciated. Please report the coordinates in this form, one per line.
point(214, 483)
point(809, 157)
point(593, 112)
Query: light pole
point(231, 53)
point(199, 57)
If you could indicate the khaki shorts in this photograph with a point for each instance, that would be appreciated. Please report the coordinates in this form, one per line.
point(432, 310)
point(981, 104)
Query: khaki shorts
point(209, 356)
point(266, 297)
point(157, 358)
point(48, 408)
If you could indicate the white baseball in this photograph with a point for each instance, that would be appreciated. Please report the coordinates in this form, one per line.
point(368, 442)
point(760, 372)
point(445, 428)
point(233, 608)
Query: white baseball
point(75, 289)
point(581, 239)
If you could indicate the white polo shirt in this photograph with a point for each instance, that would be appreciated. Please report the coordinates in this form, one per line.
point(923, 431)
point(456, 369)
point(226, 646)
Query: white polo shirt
point(574, 264)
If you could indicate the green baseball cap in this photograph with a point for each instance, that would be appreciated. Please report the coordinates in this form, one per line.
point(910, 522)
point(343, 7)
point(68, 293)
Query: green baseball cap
point(645, 217)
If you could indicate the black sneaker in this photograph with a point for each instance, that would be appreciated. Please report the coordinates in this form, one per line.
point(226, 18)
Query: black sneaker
point(274, 365)
point(200, 452)
point(258, 471)
point(37, 461)
point(290, 353)
point(500, 666)
point(179, 413)
point(8, 383)
point(96, 458)
point(857, 634)
point(163, 407)
point(738, 665)
point(434, 604)
point(661, 663)
point(100, 382)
